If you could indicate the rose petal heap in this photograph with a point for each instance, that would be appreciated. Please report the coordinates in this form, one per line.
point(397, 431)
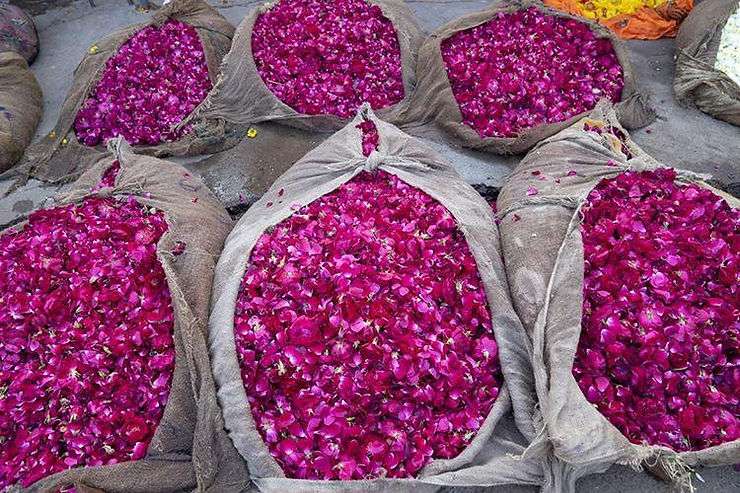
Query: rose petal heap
point(151, 84)
point(86, 338)
point(108, 179)
point(527, 68)
point(322, 57)
point(659, 353)
point(363, 334)
point(370, 137)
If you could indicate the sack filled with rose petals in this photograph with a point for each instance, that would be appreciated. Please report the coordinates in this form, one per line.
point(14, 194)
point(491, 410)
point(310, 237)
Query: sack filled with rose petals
point(105, 381)
point(21, 106)
point(504, 78)
point(361, 327)
point(624, 272)
point(310, 64)
point(708, 59)
point(140, 83)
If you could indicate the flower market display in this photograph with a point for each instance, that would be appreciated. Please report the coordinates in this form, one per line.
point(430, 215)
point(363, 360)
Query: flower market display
point(505, 78)
point(354, 334)
point(378, 361)
point(87, 354)
point(631, 19)
point(150, 85)
point(310, 64)
point(708, 60)
point(660, 336)
point(328, 58)
point(634, 311)
point(143, 83)
point(21, 106)
point(527, 68)
point(104, 369)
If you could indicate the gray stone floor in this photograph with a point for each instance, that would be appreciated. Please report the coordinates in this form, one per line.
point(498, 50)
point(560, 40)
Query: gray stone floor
point(681, 137)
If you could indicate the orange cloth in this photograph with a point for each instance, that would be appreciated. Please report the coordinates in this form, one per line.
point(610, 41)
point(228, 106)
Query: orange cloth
point(645, 23)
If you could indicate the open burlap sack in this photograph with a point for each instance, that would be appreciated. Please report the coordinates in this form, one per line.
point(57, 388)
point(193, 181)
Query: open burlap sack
point(435, 101)
point(490, 459)
point(241, 96)
point(697, 81)
point(61, 157)
point(543, 253)
point(189, 450)
point(21, 107)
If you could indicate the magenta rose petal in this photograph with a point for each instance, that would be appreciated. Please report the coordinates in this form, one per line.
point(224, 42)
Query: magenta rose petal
point(327, 58)
point(87, 352)
point(659, 347)
point(363, 334)
point(150, 85)
point(527, 68)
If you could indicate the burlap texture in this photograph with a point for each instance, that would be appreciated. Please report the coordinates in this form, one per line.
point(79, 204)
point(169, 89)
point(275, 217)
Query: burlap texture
point(543, 252)
point(489, 459)
point(59, 156)
point(697, 81)
point(190, 449)
point(241, 96)
point(18, 32)
point(21, 107)
point(435, 101)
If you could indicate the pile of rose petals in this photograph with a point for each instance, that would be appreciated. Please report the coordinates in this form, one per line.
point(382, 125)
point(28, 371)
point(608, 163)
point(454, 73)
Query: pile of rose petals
point(322, 57)
point(86, 338)
point(108, 180)
point(370, 137)
point(659, 351)
point(527, 68)
point(363, 334)
point(151, 84)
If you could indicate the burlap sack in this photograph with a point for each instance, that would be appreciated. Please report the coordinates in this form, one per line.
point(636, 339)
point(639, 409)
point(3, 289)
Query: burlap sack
point(489, 459)
point(189, 447)
point(543, 252)
point(435, 101)
point(241, 96)
point(60, 157)
point(697, 81)
point(21, 106)
point(18, 32)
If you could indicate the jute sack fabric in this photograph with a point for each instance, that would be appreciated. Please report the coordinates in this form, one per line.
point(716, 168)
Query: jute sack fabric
point(434, 100)
point(543, 253)
point(189, 450)
point(59, 156)
point(490, 459)
point(18, 32)
point(241, 96)
point(697, 81)
point(21, 107)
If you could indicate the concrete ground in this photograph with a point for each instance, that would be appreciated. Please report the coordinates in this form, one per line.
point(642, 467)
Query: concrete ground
point(681, 137)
